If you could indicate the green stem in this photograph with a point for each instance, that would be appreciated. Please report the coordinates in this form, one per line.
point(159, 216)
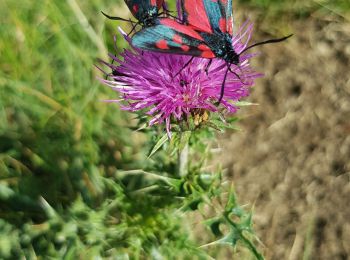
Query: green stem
point(183, 160)
point(246, 241)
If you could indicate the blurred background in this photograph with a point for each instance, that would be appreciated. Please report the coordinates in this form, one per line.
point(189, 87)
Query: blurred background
point(60, 147)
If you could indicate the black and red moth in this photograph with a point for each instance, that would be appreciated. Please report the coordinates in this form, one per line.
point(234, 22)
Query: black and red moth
point(206, 32)
point(145, 11)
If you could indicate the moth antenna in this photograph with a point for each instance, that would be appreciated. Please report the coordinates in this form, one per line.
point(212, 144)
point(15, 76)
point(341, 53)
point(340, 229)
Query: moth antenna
point(266, 42)
point(132, 29)
point(117, 18)
point(168, 14)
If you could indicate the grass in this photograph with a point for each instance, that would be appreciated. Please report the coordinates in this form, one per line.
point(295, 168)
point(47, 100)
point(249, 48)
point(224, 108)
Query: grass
point(62, 150)
point(57, 140)
point(50, 99)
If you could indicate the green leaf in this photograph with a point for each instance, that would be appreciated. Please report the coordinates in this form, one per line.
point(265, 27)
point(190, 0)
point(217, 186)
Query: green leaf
point(237, 211)
point(231, 202)
point(217, 125)
point(142, 127)
point(231, 238)
point(50, 211)
point(214, 225)
point(5, 192)
point(245, 103)
point(232, 120)
point(247, 222)
point(175, 139)
point(158, 145)
point(193, 205)
point(175, 183)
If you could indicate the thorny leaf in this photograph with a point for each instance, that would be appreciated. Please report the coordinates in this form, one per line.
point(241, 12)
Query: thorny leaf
point(158, 145)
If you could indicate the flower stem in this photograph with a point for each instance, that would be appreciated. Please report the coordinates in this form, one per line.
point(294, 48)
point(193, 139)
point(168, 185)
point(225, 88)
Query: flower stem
point(246, 241)
point(183, 160)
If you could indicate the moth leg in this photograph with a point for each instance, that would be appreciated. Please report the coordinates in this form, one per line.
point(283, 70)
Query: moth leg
point(132, 29)
point(165, 7)
point(223, 84)
point(112, 61)
point(235, 73)
point(167, 13)
point(242, 80)
point(184, 66)
point(207, 67)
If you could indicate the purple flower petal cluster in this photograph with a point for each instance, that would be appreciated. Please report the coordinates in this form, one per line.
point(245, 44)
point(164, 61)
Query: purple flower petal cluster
point(158, 83)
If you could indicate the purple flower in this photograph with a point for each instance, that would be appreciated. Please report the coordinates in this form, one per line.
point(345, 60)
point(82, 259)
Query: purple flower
point(150, 81)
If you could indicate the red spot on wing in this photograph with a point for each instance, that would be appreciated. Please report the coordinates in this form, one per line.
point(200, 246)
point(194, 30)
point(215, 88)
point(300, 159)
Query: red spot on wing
point(159, 3)
point(229, 26)
point(181, 28)
point(135, 8)
point(207, 54)
point(153, 2)
point(185, 47)
point(203, 47)
point(222, 24)
point(162, 44)
point(177, 38)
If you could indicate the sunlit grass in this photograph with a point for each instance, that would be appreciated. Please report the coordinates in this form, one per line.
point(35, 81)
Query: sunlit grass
point(60, 146)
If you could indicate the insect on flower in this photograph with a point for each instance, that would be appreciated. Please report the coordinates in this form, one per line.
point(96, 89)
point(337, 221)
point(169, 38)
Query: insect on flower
point(146, 12)
point(145, 83)
point(207, 32)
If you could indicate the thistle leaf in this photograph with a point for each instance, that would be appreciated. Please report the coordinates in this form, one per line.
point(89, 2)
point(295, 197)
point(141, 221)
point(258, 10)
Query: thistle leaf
point(158, 145)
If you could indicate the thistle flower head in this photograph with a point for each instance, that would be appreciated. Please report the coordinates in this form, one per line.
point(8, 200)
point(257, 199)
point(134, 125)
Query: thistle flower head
point(160, 85)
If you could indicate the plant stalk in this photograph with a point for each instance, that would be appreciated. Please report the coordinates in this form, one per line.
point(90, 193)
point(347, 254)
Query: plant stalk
point(183, 160)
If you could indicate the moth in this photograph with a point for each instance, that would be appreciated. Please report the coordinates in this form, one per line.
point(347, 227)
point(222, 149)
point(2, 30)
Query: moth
point(206, 31)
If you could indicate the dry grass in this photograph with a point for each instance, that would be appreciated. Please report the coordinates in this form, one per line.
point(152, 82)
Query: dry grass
point(293, 158)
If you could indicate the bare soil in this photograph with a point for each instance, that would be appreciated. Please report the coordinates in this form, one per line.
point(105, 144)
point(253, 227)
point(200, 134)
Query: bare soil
point(292, 159)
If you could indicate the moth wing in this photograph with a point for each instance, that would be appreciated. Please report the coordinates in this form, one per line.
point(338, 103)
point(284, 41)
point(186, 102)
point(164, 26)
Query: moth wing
point(207, 15)
point(139, 7)
point(172, 37)
point(158, 3)
point(194, 14)
point(226, 10)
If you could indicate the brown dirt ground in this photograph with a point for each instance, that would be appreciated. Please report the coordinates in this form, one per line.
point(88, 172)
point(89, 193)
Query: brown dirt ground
point(292, 159)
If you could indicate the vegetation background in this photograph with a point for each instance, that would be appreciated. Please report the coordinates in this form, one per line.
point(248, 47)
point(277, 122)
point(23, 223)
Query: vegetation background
point(60, 147)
